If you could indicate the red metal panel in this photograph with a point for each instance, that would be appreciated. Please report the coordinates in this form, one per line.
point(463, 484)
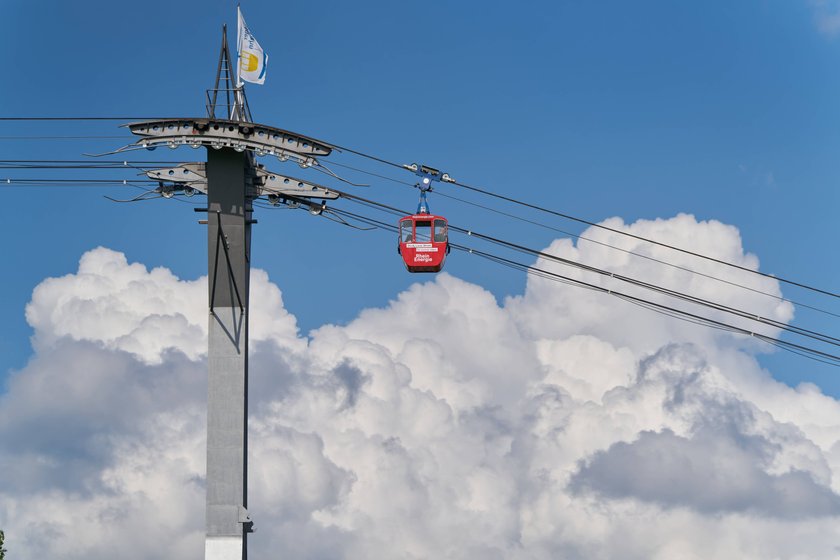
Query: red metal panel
point(426, 254)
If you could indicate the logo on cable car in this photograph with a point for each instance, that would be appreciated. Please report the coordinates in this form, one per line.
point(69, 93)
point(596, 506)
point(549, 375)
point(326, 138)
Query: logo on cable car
point(248, 62)
point(422, 258)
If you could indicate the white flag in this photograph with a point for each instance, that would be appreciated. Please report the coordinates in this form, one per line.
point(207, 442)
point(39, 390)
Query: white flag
point(252, 59)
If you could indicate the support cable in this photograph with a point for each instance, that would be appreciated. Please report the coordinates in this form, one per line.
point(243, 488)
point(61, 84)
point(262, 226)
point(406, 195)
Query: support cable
point(827, 339)
point(601, 243)
point(86, 118)
point(665, 291)
point(805, 351)
point(547, 274)
point(500, 197)
point(510, 245)
point(62, 137)
point(533, 207)
point(600, 226)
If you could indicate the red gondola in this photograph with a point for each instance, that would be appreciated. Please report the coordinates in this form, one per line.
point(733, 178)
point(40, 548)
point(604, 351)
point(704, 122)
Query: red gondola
point(424, 242)
point(424, 237)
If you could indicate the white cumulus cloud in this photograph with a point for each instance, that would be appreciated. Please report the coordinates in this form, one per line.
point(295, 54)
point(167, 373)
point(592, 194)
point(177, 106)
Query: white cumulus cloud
point(560, 423)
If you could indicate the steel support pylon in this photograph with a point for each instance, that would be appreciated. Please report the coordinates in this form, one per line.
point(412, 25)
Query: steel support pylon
point(232, 181)
point(229, 209)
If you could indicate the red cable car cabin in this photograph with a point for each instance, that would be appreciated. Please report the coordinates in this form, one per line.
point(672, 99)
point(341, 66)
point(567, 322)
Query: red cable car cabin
point(424, 242)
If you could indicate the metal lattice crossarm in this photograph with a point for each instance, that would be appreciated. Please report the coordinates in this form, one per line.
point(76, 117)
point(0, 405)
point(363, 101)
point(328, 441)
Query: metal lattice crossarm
point(213, 133)
point(268, 183)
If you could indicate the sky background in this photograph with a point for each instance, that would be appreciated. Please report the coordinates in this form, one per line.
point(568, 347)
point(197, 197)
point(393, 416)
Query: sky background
point(725, 111)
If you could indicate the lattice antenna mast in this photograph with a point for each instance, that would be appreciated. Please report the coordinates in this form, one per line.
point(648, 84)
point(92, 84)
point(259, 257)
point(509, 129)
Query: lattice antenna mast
point(227, 99)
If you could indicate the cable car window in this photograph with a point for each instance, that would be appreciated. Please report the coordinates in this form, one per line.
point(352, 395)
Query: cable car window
point(423, 231)
point(440, 230)
point(405, 231)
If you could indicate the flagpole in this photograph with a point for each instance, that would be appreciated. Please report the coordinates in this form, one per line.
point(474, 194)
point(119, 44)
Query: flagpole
point(239, 82)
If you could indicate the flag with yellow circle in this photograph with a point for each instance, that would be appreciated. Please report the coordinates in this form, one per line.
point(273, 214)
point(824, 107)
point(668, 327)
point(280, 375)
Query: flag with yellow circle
point(252, 58)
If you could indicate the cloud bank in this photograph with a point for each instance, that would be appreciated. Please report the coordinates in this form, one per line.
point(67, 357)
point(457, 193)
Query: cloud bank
point(559, 423)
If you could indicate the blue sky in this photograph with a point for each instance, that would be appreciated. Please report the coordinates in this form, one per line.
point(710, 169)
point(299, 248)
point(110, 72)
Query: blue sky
point(724, 110)
point(476, 412)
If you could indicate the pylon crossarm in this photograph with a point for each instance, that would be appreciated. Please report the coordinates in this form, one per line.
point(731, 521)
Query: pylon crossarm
point(192, 177)
point(269, 183)
point(213, 133)
point(193, 174)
